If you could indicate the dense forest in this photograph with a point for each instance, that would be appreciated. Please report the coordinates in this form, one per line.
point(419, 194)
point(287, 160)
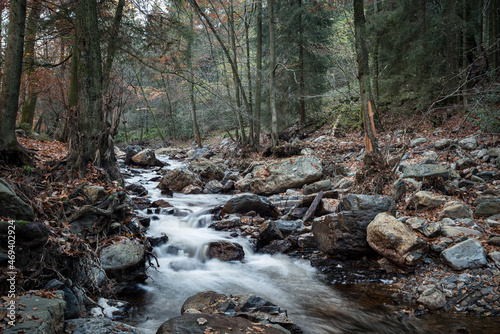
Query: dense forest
point(186, 69)
point(219, 158)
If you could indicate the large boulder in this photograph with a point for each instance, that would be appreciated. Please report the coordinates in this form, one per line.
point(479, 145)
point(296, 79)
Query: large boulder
point(146, 157)
point(277, 177)
point(245, 203)
point(207, 170)
point(122, 255)
point(345, 232)
point(28, 234)
point(201, 323)
point(130, 151)
point(420, 172)
point(395, 241)
point(456, 210)
point(464, 255)
point(225, 251)
point(11, 205)
point(487, 206)
point(177, 179)
point(41, 315)
point(99, 325)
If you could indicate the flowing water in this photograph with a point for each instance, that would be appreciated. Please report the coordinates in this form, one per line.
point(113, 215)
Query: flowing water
point(290, 283)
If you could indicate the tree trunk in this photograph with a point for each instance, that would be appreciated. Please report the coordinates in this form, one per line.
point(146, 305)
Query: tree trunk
point(364, 74)
point(12, 80)
point(28, 113)
point(112, 43)
point(272, 84)
point(194, 116)
point(301, 69)
point(249, 75)
point(90, 139)
point(258, 80)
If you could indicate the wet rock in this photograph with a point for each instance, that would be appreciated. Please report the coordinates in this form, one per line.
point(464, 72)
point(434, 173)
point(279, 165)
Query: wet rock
point(72, 309)
point(456, 210)
point(207, 170)
point(280, 176)
point(432, 299)
point(395, 241)
point(122, 255)
point(192, 189)
point(141, 203)
point(464, 255)
point(442, 144)
point(130, 151)
point(403, 186)
point(428, 228)
point(158, 241)
point(98, 326)
point(136, 189)
point(11, 205)
point(146, 157)
point(161, 203)
point(213, 187)
point(420, 172)
point(288, 227)
point(225, 251)
point(250, 202)
point(210, 302)
point(487, 206)
point(205, 323)
point(228, 186)
point(277, 247)
point(315, 187)
point(268, 232)
point(455, 231)
point(41, 315)
point(226, 224)
point(469, 143)
point(426, 200)
point(28, 234)
point(345, 232)
point(177, 179)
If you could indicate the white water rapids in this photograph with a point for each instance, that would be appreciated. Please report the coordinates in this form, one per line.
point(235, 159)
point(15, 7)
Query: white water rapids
point(289, 283)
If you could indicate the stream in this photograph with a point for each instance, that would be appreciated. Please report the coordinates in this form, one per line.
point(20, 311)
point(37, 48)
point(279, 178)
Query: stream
point(290, 283)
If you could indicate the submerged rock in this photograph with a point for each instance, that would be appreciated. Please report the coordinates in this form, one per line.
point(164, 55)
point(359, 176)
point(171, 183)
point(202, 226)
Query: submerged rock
point(245, 203)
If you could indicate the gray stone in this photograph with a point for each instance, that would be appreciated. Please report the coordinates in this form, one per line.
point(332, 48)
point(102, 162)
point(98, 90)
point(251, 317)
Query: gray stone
point(403, 186)
point(307, 151)
point(395, 241)
point(469, 143)
point(428, 228)
point(418, 141)
point(432, 298)
point(122, 255)
point(213, 187)
point(427, 200)
point(11, 205)
point(465, 163)
point(464, 255)
point(345, 231)
point(192, 189)
point(280, 176)
point(495, 257)
point(420, 172)
point(72, 305)
point(494, 152)
point(207, 170)
point(46, 316)
point(315, 187)
point(28, 234)
point(441, 144)
point(456, 210)
point(199, 153)
point(130, 151)
point(488, 208)
point(99, 326)
point(177, 179)
point(455, 231)
point(288, 227)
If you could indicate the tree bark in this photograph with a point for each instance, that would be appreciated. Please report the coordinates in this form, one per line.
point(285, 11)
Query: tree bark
point(249, 75)
point(12, 76)
point(364, 73)
point(301, 69)
point(28, 113)
point(272, 83)
point(90, 140)
point(194, 116)
point(258, 80)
